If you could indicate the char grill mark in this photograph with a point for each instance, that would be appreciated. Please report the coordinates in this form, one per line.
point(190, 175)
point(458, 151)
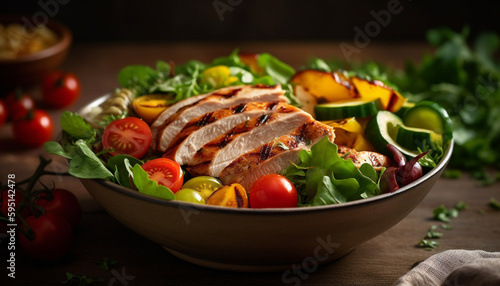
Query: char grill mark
point(207, 119)
point(262, 120)
point(240, 108)
point(225, 139)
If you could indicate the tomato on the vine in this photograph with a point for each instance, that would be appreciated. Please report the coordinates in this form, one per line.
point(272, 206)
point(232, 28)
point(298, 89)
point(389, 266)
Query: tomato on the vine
point(18, 104)
point(63, 202)
point(34, 129)
point(51, 236)
point(166, 172)
point(273, 191)
point(60, 89)
point(3, 113)
point(129, 135)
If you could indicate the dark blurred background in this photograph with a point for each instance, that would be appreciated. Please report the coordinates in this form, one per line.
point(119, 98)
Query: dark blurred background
point(221, 20)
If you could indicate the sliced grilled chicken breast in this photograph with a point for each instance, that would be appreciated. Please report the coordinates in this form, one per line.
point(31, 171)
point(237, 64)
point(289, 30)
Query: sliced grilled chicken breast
point(214, 156)
point(377, 160)
point(219, 99)
point(274, 156)
point(203, 129)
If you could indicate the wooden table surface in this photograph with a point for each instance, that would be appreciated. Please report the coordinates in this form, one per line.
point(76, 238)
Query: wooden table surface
point(380, 261)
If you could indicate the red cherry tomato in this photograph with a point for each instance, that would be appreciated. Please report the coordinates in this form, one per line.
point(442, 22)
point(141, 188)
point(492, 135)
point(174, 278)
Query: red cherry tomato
point(52, 237)
point(3, 113)
point(63, 202)
point(273, 191)
point(166, 172)
point(60, 89)
point(34, 129)
point(129, 135)
point(18, 104)
point(10, 202)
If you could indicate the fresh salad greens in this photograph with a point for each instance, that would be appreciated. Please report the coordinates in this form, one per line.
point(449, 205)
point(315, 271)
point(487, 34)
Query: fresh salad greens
point(322, 177)
point(194, 77)
point(77, 144)
point(461, 75)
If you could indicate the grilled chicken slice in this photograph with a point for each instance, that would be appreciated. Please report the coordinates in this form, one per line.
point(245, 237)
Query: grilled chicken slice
point(220, 152)
point(203, 129)
point(377, 160)
point(219, 99)
point(276, 155)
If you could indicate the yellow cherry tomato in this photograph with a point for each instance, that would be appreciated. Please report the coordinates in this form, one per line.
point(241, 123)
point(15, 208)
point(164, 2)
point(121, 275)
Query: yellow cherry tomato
point(218, 76)
point(148, 107)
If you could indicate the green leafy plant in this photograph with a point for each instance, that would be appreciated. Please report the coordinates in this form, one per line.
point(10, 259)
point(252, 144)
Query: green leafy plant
point(322, 177)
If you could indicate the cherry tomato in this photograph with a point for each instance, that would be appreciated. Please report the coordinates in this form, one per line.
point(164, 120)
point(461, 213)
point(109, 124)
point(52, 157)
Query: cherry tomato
point(166, 172)
point(3, 113)
point(51, 239)
point(10, 202)
point(63, 202)
point(273, 191)
point(205, 185)
point(189, 195)
point(60, 89)
point(34, 129)
point(18, 104)
point(231, 196)
point(148, 107)
point(129, 135)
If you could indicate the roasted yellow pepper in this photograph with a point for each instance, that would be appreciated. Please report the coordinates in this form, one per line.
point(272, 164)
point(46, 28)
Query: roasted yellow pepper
point(350, 132)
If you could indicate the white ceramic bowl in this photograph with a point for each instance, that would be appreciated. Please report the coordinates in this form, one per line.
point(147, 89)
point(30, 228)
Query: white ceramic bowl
point(260, 239)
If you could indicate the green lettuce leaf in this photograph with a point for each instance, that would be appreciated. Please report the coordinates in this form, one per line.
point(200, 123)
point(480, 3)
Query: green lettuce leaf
point(322, 177)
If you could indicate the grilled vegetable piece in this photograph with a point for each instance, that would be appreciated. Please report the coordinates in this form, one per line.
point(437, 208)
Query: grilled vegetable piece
point(376, 160)
point(275, 155)
point(233, 196)
point(391, 99)
point(325, 86)
point(217, 100)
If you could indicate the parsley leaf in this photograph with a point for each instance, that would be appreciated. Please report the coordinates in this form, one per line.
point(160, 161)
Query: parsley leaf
point(494, 204)
point(107, 263)
point(80, 280)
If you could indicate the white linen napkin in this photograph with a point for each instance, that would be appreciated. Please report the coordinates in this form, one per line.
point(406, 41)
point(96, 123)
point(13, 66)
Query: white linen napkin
point(455, 268)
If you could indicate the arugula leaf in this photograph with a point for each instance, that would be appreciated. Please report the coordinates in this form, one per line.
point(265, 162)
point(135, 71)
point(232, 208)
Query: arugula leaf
point(119, 164)
point(322, 177)
point(277, 69)
point(76, 126)
point(55, 148)
point(150, 187)
point(138, 78)
point(86, 164)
